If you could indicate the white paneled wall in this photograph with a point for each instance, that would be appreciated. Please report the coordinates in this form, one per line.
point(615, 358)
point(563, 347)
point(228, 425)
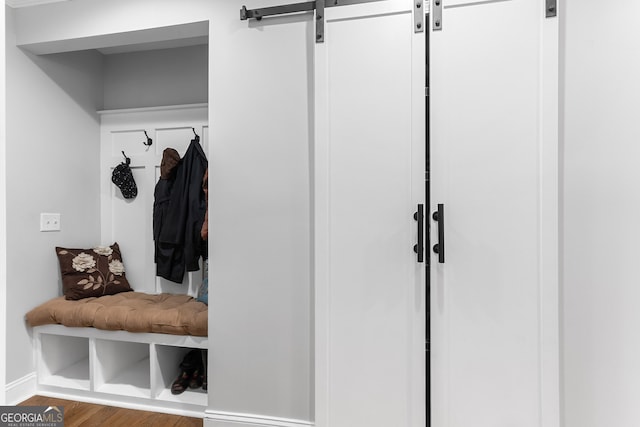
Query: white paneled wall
point(129, 222)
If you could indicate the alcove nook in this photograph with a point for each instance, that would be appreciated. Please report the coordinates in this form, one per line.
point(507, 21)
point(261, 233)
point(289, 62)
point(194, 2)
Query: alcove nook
point(108, 94)
point(83, 72)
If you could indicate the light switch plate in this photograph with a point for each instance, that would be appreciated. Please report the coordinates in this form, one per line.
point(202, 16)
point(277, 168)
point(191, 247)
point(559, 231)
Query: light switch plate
point(49, 222)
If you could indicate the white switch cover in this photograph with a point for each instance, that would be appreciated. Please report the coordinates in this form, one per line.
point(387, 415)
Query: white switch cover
point(49, 222)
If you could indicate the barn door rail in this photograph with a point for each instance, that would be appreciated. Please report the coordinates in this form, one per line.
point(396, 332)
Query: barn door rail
point(317, 5)
point(258, 14)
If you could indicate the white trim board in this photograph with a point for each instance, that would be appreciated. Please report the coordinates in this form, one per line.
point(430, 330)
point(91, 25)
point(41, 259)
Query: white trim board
point(135, 337)
point(129, 403)
point(154, 109)
point(21, 389)
point(230, 419)
point(3, 214)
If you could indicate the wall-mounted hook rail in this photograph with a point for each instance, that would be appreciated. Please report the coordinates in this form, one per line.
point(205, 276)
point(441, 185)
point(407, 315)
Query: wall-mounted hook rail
point(149, 141)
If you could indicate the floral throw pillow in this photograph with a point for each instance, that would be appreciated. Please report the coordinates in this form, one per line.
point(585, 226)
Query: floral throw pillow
point(92, 272)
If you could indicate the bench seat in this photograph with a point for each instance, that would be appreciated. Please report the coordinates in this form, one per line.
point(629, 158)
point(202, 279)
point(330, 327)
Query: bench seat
point(127, 311)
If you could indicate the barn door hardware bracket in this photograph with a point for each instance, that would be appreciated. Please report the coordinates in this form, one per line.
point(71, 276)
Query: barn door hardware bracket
point(320, 21)
point(551, 8)
point(317, 5)
point(418, 16)
point(437, 15)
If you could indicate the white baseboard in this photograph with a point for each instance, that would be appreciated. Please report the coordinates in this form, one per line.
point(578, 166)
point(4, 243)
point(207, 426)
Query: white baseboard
point(139, 404)
point(229, 419)
point(21, 389)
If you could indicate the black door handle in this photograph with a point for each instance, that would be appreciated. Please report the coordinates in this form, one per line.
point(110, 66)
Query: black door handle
point(419, 247)
point(438, 248)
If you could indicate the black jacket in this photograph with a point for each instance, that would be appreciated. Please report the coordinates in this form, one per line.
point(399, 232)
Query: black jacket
point(178, 213)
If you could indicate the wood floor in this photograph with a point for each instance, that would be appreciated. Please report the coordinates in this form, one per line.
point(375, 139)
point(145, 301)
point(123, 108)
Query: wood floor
point(78, 414)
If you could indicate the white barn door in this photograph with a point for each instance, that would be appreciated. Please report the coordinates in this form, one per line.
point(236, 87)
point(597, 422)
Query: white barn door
point(494, 165)
point(369, 163)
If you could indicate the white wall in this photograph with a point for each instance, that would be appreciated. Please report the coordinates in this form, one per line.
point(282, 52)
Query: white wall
point(261, 126)
point(3, 206)
point(260, 318)
point(601, 294)
point(52, 166)
point(156, 77)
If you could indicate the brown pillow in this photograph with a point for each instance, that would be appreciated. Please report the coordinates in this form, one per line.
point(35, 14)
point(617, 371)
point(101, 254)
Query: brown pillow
point(92, 272)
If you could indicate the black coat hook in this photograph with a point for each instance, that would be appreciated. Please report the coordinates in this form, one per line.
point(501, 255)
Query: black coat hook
point(149, 140)
point(194, 132)
point(126, 159)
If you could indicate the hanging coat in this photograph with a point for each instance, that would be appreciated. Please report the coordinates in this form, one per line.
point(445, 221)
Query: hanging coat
point(204, 233)
point(178, 213)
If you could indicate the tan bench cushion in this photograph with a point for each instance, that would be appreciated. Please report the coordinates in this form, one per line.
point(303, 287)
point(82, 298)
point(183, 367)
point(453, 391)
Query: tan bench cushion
point(127, 311)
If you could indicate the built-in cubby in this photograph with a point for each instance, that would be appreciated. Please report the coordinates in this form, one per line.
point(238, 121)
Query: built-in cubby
point(122, 368)
point(168, 359)
point(130, 369)
point(64, 361)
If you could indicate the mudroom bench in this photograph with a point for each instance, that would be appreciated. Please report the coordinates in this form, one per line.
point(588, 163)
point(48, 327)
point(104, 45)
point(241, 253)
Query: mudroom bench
point(126, 368)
